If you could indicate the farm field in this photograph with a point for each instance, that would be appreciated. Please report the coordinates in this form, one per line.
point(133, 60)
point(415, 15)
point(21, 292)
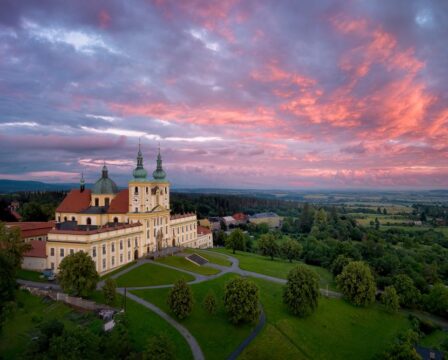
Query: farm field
point(277, 268)
point(217, 337)
point(337, 330)
point(150, 275)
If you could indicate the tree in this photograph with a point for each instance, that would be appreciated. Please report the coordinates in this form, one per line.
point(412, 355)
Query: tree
point(436, 301)
point(210, 302)
point(268, 245)
point(12, 244)
point(320, 228)
point(357, 283)
point(377, 224)
point(291, 249)
point(390, 299)
point(7, 284)
point(159, 347)
point(47, 330)
point(77, 274)
point(74, 343)
point(180, 299)
point(403, 348)
point(301, 292)
point(235, 240)
point(339, 263)
point(306, 218)
point(409, 295)
point(118, 343)
point(241, 300)
point(109, 291)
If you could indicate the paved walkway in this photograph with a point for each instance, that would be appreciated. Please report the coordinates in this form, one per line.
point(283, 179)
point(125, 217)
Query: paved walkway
point(194, 346)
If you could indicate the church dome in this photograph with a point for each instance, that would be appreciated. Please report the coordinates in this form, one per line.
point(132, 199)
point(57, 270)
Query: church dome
point(104, 185)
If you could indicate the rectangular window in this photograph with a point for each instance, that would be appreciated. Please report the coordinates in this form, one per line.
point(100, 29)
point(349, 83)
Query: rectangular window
point(104, 263)
point(147, 234)
point(121, 244)
point(72, 251)
point(113, 260)
point(52, 266)
point(52, 252)
point(112, 247)
point(104, 249)
point(94, 252)
point(129, 255)
point(121, 258)
point(136, 242)
point(129, 243)
point(61, 252)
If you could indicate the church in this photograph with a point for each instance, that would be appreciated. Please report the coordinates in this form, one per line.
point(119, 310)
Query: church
point(118, 226)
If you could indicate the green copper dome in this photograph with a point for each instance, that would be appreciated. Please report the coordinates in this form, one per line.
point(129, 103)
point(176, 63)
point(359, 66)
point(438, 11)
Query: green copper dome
point(139, 172)
point(105, 185)
point(158, 173)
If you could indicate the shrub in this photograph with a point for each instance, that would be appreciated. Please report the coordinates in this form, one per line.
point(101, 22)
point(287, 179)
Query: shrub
point(159, 347)
point(390, 299)
point(109, 291)
point(210, 303)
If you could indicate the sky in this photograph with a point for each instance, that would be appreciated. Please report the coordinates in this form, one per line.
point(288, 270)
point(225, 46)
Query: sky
point(271, 94)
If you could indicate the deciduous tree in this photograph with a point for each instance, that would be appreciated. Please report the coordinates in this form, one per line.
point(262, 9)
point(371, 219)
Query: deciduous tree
point(291, 249)
point(390, 299)
point(180, 299)
point(77, 274)
point(109, 291)
point(210, 302)
point(357, 283)
point(407, 292)
point(159, 347)
point(235, 241)
point(301, 292)
point(268, 245)
point(241, 300)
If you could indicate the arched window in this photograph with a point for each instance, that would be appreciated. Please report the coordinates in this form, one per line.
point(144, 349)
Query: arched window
point(73, 218)
point(89, 221)
point(97, 202)
point(115, 220)
point(106, 202)
point(65, 218)
point(136, 190)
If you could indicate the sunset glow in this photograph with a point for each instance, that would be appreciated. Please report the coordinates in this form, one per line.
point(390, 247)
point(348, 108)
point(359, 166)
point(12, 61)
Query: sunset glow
point(240, 94)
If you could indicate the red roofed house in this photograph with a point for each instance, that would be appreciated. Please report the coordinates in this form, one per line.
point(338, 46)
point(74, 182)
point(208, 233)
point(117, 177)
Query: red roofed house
point(205, 238)
point(36, 258)
point(240, 218)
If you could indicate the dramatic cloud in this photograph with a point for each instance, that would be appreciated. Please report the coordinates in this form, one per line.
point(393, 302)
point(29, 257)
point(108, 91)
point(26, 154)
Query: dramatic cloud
point(254, 94)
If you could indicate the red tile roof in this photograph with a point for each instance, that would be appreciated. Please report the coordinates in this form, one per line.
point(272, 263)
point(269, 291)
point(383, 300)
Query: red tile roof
point(239, 216)
point(38, 249)
point(179, 216)
point(120, 203)
point(203, 230)
point(32, 228)
point(75, 201)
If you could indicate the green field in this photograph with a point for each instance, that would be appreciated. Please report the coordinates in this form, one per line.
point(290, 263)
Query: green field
point(30, 275)
point(277, 268)
point(182, 263)
point(435, 340)
point(337, 330)
point(150, 275)
point(108, 275)
point(213, 258)
point(217, 337)
point(20, 327)
point(143, 324)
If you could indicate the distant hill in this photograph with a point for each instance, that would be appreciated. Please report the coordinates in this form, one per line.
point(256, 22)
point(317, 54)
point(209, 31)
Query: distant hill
point(11, 186)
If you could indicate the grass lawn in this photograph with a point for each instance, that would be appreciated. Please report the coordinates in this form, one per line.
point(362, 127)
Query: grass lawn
point(434, 340)
point(143, 324)
point(182, 263)
point(337, 330)
point(30, 275)
point(277, 268)
point(108, 275)
point(20, 327)
point(151, 274)
point(217, 337)
point(213, 258)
